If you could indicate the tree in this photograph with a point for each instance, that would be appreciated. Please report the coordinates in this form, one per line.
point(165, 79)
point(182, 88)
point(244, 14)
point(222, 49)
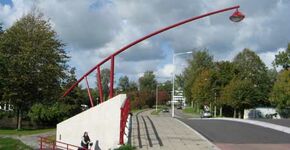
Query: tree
point(239, 94)
point(147, 85)
point(147, 82)
point(37, 63)
point(201, 60)
point(249, 66)
point(133, 86)
point(105, 79)
point(280, 95)
point(202, 91)
point(124, 84)
point(283, 59)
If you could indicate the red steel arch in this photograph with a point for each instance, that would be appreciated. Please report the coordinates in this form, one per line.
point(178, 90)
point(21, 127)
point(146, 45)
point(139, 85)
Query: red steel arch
point(112, 56)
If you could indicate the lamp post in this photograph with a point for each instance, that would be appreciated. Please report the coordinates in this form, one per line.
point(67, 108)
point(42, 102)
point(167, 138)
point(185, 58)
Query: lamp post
point(236, 17)
point(173, 76)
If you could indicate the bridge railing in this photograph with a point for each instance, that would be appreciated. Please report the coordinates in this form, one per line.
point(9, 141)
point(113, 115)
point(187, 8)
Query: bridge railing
point(125, 109)
point(48, 144)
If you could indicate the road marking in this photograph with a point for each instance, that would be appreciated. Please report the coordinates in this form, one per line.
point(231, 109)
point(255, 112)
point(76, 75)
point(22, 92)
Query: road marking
point(155, 131)
point(147, 132)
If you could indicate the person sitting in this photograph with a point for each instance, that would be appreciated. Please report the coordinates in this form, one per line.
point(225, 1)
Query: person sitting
point(86, 141)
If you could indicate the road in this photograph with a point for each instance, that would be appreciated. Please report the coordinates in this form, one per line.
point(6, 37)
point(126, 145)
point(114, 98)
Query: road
point(229, 135)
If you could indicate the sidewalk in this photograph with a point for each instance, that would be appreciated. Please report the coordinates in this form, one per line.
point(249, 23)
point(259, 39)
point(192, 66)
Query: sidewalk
point(163, 132)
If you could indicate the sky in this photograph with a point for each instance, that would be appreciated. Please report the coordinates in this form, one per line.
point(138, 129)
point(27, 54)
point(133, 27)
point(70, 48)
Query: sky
point(94, 29)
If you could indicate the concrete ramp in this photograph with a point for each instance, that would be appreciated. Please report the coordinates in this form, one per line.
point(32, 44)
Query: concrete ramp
point(102, 123)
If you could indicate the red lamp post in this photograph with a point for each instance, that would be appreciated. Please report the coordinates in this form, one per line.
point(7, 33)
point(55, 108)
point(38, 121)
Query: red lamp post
point(236, 17)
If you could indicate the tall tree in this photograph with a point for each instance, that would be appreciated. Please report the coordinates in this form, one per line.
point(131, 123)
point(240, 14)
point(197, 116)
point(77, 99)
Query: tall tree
point(202, 89)
point(147, 85)
point(280, 95)
point(283, 58)
point(239, 94)
point(249, 66)
point(105, 78)
point(37, 63)
point(201, 60)
point(147, 82)
point(124, 84)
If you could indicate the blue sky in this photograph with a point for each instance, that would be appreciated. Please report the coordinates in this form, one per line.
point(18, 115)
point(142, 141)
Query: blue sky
point(6, 2)
point(93, 29)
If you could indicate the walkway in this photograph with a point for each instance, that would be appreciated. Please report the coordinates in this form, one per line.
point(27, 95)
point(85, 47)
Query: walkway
point(163, 132)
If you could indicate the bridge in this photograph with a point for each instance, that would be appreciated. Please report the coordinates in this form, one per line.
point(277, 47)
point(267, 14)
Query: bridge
point(98, 119)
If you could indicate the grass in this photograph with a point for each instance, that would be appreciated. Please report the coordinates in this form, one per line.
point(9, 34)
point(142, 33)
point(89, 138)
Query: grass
point(159, 109)
point(190, 111)
point(156, 112)
point(12, 144)
point(24, 131)
point(126, 147)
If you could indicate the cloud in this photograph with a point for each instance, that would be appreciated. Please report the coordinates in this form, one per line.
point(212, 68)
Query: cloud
point(94, 29)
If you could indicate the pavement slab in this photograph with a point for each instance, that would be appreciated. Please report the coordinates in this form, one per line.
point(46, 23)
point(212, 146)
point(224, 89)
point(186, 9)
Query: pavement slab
point(164, 132)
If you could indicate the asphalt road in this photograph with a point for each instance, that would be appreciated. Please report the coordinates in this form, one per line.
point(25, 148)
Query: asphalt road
point(230, 135)
point(221, 131)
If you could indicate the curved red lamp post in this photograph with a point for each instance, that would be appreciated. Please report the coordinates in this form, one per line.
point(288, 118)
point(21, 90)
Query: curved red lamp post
point(236, 17)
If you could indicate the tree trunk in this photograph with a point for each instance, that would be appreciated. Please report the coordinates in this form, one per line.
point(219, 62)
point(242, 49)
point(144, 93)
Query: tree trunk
point(19, 119)
point(214, 110)
point(221, 111)
point(235, 112)
point(240, 114)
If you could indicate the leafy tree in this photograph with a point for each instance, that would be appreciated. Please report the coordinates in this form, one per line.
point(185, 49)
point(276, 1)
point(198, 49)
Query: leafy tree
point(124, 84)
point(166, 86)
point(283, 58)
point(179, 81)
point(202, 89)
point(147, 85)
point(105, 78)
point(201, 60)
point(249, 66)
point(280, 95)
point(37, 63)
point(133, 86)
point(239, 94)
point(147, 82)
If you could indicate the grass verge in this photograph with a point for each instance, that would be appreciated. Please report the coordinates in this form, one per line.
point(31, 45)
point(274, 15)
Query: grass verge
point(12, 144)
point(190, 111)
point(24, 131)
point(126, 147)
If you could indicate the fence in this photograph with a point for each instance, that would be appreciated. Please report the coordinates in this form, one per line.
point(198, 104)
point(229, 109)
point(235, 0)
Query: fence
point(125, 109)
point(48, 144)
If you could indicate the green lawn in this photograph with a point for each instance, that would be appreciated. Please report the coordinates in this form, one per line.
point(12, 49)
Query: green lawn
point(189, 111)
point(23, 131)
point(12, 144)
point(156, 112)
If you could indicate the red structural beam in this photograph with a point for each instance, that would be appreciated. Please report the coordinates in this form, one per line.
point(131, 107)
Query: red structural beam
point(100, 88)
point(142, 39)
point(89, 93)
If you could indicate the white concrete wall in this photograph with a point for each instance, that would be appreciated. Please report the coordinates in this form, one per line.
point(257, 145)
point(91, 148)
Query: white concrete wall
point(102, 122)
point(263, 112)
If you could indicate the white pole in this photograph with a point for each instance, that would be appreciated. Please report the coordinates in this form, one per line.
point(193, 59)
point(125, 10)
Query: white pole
point(173, 74)
point(156, 97)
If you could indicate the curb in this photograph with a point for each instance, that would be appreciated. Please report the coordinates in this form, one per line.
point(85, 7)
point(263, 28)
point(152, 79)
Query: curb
point(196, 132)
point(258, 123)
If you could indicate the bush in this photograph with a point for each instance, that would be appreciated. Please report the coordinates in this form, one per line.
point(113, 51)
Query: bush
point(50, 115)
point(126, 147)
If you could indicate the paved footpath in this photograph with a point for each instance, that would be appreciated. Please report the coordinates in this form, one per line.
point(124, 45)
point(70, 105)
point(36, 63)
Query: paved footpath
point(163, 132)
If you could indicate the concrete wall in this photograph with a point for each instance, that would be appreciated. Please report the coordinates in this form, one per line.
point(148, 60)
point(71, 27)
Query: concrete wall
point(102, 122)
point(260, 112)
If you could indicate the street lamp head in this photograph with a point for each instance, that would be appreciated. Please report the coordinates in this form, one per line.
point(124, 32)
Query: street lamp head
point(237, 16)
point(189, 52)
